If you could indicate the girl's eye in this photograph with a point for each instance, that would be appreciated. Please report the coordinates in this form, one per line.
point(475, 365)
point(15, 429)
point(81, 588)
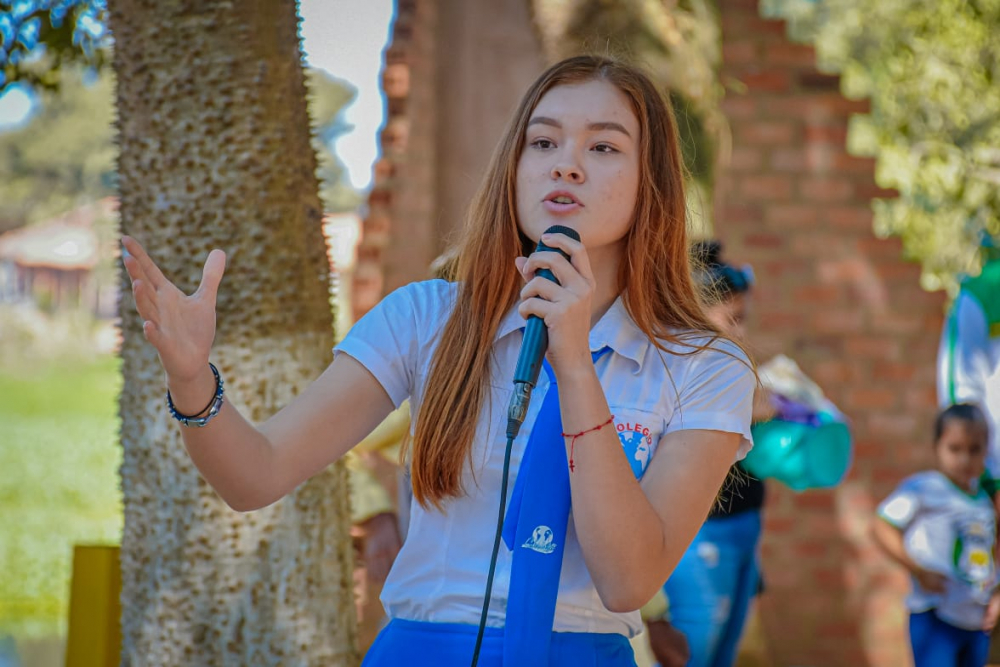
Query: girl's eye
point(605, 148)
point(542, 143)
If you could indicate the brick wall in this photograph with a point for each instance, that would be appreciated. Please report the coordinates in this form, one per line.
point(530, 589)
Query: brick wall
point(453, 73)
point(400, 202)
point(791, 201)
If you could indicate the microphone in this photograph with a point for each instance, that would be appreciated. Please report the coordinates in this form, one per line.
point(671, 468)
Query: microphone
point(533, 346)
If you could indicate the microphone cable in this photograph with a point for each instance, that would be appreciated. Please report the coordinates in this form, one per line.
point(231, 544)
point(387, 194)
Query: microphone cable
point(515, 417)
point(496, 551)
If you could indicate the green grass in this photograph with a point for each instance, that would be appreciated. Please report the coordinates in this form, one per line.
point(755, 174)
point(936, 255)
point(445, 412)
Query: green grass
point(59, 459)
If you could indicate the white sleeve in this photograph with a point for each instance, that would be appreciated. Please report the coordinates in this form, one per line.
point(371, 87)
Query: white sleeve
point(716, 393)
point(902, 505)
point(963, 356)
point(385, 342)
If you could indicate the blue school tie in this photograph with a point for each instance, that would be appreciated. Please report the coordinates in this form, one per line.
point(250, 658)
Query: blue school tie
point(535, 530)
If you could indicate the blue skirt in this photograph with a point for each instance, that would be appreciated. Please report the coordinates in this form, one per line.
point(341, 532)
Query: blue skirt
point(418, 644)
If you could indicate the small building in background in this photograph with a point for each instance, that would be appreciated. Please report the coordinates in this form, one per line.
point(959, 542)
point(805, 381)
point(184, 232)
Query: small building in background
point(64, 262)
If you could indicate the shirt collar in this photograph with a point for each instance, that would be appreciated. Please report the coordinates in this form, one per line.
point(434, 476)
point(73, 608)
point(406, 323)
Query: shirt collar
point(615, 330)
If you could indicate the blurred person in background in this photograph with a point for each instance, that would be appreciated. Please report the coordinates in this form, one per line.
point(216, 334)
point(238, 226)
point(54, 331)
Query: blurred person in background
point(709, 593)
point(969, 362)
point(941, 526)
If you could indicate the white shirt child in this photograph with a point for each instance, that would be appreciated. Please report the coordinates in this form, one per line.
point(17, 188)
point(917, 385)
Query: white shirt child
point(440, 573)
point(949, 531)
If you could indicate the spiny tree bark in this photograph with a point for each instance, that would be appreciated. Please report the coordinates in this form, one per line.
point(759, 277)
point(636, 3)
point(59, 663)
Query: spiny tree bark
point(214, 141)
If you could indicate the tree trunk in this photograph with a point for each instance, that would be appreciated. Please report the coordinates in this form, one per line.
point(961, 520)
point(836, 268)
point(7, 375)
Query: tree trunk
point(214, 145)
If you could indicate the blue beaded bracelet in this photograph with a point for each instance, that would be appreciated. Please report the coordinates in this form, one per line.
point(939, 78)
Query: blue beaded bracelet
point(212, 409)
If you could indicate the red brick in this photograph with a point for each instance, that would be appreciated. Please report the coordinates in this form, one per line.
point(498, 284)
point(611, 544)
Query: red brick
point(766, 187)
point(767, 133)
point(735, 22)
point(833, 372)
point(739, 106)
point(811, 550)
point(817, 294)
point(844, 162)
point(892, 426)
point(897, 323)
point(777, 81)
point(783, 269)
point(777, 320)
point(742, 213)
point(825, 243)
point(815, 500)
point(396, 80)
point(856, 216)
point(872, 399)
point(741, 51)
point(815, 106)
point(823, 189)
point(835, 134)
point(764, 241)
point(872, 191)
point(783, 215)
point(837, 321)
point(788, 159)
point(849, 269)
point(819, 158)
point(749, 7)
point(745, 158)
point(787, 53)
point(894, 371)
point(879, 347)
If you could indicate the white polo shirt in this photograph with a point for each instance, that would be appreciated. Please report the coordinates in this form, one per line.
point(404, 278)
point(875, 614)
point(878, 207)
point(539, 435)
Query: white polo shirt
point(440, 573)
point(952, 532)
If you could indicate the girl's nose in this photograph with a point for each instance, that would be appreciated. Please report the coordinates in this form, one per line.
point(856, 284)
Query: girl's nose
point(569, 172)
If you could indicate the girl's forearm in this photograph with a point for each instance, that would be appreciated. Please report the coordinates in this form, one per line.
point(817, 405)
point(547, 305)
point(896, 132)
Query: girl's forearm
point(232, 455)
point(620, 533)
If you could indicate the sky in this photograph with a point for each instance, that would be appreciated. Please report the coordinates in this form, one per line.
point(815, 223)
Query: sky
point(343, 37)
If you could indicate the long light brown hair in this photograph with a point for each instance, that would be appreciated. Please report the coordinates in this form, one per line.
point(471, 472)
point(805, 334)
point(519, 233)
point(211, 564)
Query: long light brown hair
point(654, 278)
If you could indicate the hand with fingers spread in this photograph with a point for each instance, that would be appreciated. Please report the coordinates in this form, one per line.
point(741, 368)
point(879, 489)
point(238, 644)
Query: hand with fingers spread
point(180, 327)
point(566, 306)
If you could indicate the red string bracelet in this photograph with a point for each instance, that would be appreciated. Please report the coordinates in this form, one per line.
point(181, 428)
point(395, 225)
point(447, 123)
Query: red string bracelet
point(572, 442)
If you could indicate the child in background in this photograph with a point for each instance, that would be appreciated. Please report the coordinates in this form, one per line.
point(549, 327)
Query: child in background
point(941, 526)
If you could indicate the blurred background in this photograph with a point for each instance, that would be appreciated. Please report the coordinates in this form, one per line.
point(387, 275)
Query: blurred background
point(848, 150)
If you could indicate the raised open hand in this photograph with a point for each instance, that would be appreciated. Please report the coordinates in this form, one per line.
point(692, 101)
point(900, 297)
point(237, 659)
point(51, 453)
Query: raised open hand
point(180, 327)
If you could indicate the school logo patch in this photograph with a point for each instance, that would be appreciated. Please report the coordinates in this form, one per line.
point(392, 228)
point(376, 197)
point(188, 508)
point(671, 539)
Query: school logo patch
point(540, 540)
point(637, 441)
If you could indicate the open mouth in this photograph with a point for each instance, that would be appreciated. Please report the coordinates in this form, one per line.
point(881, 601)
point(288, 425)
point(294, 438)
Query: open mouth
point(562, 200)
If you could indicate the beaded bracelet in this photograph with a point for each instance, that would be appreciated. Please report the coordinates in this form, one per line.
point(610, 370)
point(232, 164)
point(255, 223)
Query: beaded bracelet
point(212, 409)
point(572, 443)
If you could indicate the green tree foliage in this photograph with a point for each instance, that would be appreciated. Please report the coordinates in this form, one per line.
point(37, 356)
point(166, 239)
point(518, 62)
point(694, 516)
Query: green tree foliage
point(932, 72)
point(39, 37)
point(65, 155)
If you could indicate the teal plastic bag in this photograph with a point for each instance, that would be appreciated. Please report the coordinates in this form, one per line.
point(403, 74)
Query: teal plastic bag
point(799, 455)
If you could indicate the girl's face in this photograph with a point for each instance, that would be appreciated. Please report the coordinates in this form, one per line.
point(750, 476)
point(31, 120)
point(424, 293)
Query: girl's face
point(730, 315)
point(579, 165)
point(961, 451)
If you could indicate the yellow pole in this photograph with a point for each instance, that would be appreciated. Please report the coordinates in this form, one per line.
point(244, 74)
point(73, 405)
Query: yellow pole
point(94, 608)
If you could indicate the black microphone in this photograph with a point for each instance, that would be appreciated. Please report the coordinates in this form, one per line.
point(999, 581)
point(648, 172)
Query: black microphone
point(533, 346)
